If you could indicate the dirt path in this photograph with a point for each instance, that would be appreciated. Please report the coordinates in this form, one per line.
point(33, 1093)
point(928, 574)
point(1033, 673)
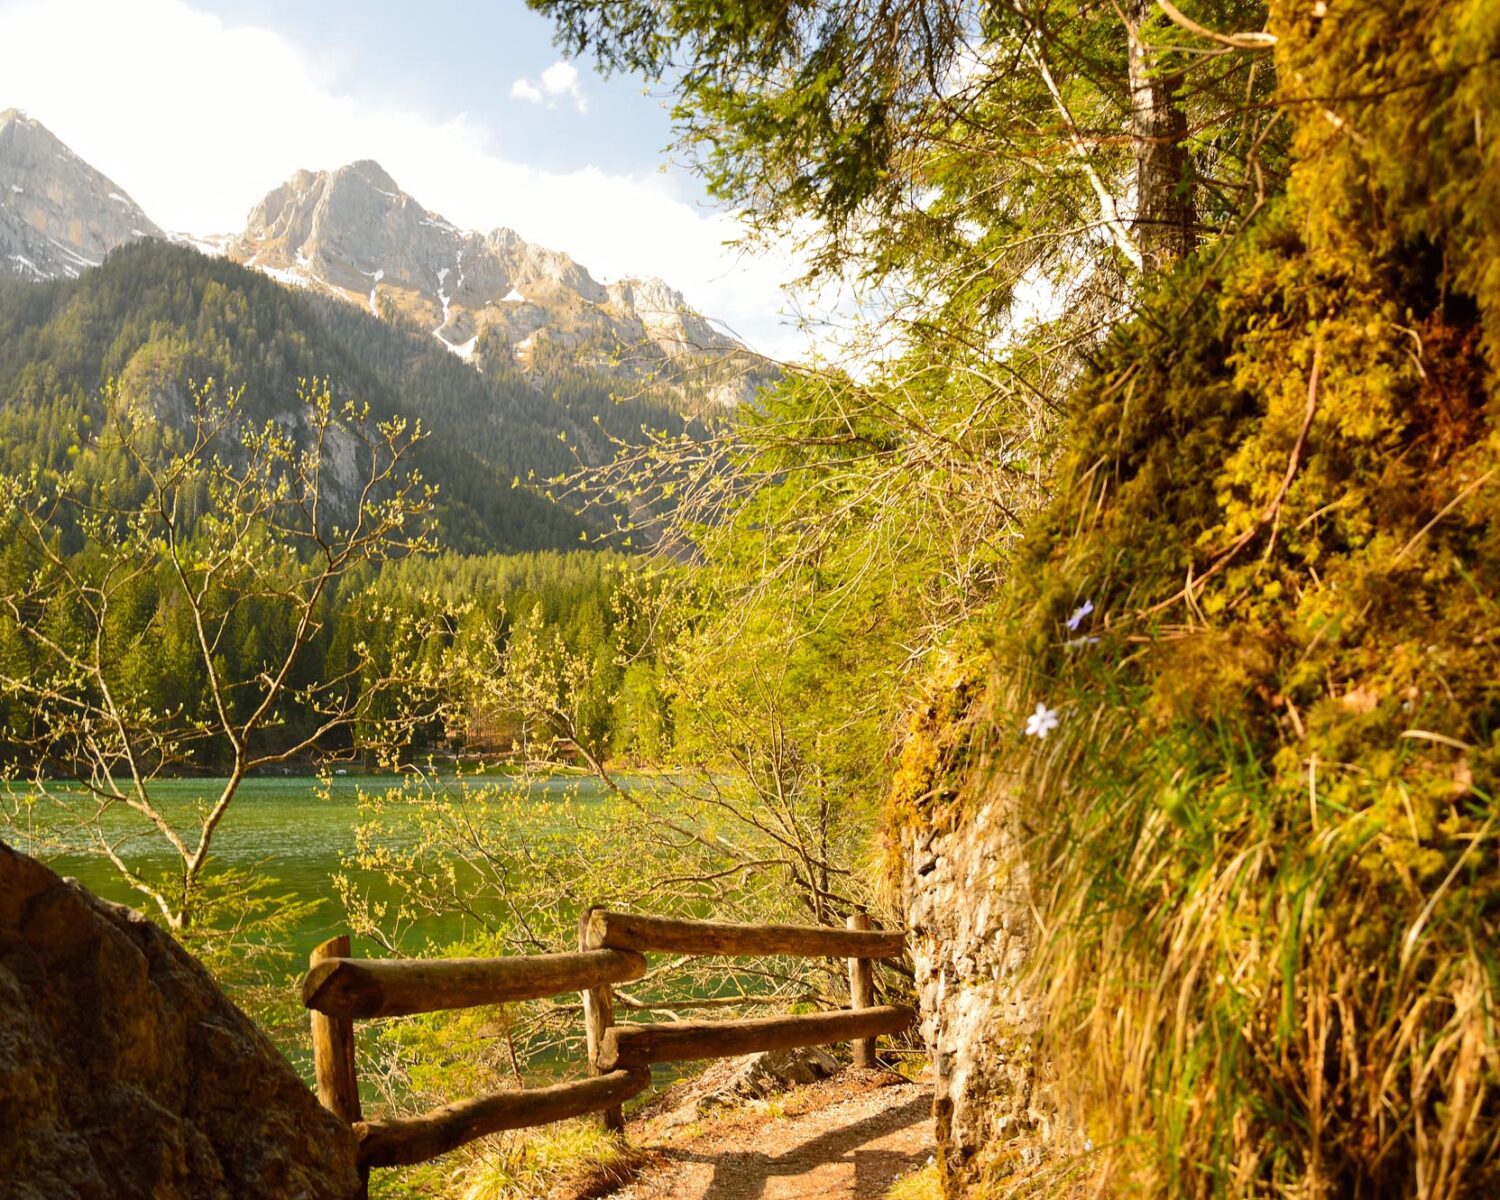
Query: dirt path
point(848, 1138)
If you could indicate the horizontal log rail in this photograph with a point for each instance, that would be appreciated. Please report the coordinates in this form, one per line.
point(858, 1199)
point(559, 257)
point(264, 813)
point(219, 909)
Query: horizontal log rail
point(628, 931)
point(679, 1041)
point(612, 949)
point(376, 987)
point(400, 1141)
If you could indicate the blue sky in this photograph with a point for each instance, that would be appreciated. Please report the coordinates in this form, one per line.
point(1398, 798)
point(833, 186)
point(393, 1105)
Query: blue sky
point(198, 108)
point(465, 57)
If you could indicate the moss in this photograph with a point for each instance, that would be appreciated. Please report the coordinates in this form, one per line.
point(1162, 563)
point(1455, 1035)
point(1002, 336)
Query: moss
point(1267, 825)
point(938, 744)
point(923, 1184)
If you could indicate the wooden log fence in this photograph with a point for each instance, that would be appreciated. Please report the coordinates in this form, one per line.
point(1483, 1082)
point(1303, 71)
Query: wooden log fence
point(333, 1045)
point(683, 1041)
point(401, 1141)
point(612, 947)
point(364, 988)
point(599, 1015)
point(629, 931)
point(861, 993)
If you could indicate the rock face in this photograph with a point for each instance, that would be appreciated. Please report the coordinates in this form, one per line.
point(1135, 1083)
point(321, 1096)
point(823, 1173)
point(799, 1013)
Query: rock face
point(354, 233)
point(968, 910)
point(750, 1077)
point(125, 1074)
point(58, 216)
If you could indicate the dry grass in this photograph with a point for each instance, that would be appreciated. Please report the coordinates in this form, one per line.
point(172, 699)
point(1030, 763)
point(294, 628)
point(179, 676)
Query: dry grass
point(926, 1184)
point(1244, 997)
point(575, 1160)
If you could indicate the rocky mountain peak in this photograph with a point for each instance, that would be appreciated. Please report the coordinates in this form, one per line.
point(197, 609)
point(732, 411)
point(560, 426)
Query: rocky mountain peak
point(662, 311)
point(58, 215)
point(353, 232)
point(367, 170)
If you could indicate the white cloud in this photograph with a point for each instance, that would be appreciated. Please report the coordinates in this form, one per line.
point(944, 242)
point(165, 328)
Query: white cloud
point(198, 120)
point(524, 89)
point(559, 81)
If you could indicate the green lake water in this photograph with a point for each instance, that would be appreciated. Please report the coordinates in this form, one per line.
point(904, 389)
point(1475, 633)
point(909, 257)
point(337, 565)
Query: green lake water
point(293, 831)
point(284, 829)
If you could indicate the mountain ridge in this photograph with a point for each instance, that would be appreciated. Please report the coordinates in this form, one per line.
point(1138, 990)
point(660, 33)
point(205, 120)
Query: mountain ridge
point(354, 232)
point(59, 216)
point(490, 298)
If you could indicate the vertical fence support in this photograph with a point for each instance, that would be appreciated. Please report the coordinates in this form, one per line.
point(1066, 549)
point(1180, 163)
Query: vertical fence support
point(333, 1052)
point(598, 1015)
point(862, 993)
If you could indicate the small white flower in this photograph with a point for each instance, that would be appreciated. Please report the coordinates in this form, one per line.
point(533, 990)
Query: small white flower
point(1079, 613)
point(1042, 722)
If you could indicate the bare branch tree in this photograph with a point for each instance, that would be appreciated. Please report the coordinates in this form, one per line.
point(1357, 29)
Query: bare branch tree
point(226, 524)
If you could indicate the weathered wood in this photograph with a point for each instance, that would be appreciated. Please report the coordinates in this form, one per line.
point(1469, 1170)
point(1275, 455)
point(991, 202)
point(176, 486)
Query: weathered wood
point(629, 931)
point(598, 1015)
point(676, 1041)
point(399, 1141)
point(375, 987)
point(861, 994)
point(333, 1046)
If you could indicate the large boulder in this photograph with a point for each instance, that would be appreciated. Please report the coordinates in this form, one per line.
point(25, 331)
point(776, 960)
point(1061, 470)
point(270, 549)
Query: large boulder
point(125, 1072)
point(732, 1081)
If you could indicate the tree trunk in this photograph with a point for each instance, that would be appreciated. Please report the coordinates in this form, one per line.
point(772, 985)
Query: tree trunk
point(1164, 219)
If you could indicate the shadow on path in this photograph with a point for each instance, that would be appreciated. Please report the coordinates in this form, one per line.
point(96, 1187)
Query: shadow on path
point(744, 1174)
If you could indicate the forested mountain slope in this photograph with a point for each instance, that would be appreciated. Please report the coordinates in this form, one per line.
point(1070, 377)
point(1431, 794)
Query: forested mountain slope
point(160, 317)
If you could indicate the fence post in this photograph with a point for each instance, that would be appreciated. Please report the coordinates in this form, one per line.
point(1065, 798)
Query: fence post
point(861, 993)
point(598, 1015)
point(333, 1053)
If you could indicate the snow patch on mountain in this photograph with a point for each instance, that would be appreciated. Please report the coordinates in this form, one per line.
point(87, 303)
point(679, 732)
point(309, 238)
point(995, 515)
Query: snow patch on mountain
point(287, 275)
point(334, 224)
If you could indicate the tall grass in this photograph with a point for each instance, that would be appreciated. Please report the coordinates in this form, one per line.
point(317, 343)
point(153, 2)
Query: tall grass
point(576, 1155)
point(1245, 995)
